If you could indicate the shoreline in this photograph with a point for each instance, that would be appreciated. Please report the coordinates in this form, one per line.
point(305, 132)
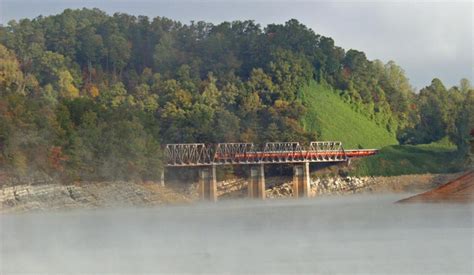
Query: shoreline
point(111, 194)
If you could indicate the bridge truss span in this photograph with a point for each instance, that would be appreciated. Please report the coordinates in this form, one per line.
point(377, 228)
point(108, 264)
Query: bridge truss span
point(235, 153)
point(326, 151)
point(283, 152)
point(187, 154)
point(199, 154)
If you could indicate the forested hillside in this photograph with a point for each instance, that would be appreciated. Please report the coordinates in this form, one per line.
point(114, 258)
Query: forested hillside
point(85, 95)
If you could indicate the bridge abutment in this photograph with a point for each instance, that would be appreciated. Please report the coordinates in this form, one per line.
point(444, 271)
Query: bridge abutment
point(256, 186)
point(208, 183)
point(301, 180)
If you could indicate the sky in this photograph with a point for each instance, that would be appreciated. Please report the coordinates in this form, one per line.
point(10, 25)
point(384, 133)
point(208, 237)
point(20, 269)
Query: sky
point(426, 38)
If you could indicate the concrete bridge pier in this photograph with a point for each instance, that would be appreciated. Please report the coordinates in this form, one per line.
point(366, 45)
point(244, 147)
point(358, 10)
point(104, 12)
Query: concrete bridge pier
point(208, 183)
point(162, 177)
point(256, 187)
point(301, 180)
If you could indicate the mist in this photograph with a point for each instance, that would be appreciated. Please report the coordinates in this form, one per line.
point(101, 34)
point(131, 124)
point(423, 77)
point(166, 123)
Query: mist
point(356, 234)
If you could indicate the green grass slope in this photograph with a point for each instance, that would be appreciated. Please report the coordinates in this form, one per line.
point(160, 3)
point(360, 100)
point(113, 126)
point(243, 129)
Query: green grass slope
point(333, 119)
point(440, 157)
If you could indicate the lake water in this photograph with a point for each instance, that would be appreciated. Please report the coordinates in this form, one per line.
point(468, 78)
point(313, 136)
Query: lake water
point(352, 234)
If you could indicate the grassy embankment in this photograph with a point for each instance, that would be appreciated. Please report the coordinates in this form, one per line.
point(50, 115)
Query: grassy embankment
point(333, 119)
point(439, 157)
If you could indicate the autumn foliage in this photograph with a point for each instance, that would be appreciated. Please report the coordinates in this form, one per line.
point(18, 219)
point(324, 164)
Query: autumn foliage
point(93, 96)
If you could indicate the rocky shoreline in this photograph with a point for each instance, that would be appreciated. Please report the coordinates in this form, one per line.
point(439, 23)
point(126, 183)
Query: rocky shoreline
point(325, 186)
point(43, 193)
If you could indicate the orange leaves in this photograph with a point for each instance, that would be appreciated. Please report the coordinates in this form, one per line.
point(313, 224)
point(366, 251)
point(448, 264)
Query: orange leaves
point(93, 91)
point(56, 158)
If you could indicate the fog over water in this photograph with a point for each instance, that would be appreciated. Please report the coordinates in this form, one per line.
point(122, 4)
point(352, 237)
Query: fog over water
point(351, 234)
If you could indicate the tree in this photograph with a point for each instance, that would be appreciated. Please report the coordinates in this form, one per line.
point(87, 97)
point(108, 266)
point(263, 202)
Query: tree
point(262, 84)
point(118, 51)
point(211, 95)
point(11, 77)
point(290, 72)
point(465, 123)
point(144, 99)
point(465, 85)
point(91, 48)
point(66, 86)
point(433, 111)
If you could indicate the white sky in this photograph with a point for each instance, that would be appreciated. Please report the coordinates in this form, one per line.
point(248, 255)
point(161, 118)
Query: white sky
point(427, 38)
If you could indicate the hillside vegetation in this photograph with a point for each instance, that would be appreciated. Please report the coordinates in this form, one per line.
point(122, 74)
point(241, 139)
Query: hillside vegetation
point(85, 95)
point(439, 157)
point(331, 118)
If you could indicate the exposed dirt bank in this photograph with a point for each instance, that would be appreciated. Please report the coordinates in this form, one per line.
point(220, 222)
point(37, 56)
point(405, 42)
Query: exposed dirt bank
point(459, 190)
point(47, 194)
point(22, 198)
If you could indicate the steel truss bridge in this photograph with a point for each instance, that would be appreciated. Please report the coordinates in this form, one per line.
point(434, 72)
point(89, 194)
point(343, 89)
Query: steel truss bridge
point(200, 154)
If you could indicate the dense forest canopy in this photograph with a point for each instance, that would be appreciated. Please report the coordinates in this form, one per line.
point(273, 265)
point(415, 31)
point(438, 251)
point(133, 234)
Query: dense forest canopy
point(85, 95)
